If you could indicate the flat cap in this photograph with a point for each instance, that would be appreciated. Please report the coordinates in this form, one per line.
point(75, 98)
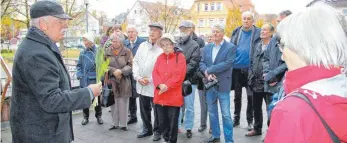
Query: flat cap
point(157, 25)
point(187, 24)
point(48, 8)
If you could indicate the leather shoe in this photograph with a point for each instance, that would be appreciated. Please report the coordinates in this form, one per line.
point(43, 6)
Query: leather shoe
point(124, 128)
point(85, 121)
point(236, 123)
point(132, 121)
point(113, 127)
point(99, 120)
point(253, 133)
point(213, 140)
point(144, 134)
point(250, 126)
point(201, 129)
point(156, 137)
point(189, 134)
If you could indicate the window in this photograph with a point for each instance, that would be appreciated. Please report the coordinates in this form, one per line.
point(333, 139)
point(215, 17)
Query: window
point(219, 6)
point(201, 23)
point(135, 11)
point(344, 11)
point(198, 7)
point(211, 22)
point(140, 10)
point(221, 21)
point(212, 6)
point(206, 6)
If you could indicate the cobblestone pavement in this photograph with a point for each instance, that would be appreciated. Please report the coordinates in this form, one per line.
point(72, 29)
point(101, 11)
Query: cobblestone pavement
point(94, 133)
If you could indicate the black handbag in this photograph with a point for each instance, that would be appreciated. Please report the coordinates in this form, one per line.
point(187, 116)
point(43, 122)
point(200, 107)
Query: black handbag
point(107, 97)
point(186, 88)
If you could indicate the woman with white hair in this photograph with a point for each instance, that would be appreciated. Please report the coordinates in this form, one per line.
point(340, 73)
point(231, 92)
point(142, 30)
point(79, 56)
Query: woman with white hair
point(314, 47)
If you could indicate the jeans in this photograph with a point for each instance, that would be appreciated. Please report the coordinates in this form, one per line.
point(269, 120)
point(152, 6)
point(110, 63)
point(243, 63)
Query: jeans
point(189, 112)
point(214, 97)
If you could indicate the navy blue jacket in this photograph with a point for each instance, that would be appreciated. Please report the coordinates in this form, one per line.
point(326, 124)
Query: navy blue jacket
point(86, 67)
point(273, 66)
point(222, 65)
point(136, 44)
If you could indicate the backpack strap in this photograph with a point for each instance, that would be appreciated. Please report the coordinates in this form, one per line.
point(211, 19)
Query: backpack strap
point(332, 135)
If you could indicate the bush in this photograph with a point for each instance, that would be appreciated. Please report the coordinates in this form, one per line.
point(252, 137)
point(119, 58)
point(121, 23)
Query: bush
point(7, 51)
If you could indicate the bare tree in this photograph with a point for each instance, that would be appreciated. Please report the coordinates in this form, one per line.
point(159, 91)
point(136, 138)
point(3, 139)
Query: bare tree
point(168, 15)
point(6, 7)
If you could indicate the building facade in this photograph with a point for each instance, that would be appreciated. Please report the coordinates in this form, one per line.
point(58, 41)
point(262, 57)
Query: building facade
point(206, 13)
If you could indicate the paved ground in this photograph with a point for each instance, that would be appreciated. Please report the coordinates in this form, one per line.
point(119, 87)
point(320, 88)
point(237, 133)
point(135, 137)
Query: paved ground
point(94, 133)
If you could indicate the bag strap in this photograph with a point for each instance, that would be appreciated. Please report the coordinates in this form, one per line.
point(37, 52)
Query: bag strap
point(106, 78)
point(332, 135)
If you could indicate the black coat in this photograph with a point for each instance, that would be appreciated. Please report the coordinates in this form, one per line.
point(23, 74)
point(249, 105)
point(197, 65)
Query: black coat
point(191, 51)
point(255, 74)
point(274, 66)
point(42, 99)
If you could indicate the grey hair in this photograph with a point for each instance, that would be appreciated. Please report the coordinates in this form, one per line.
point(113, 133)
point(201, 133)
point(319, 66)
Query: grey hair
point(318, 38)
point(248, 13)
point(286, 13)
point(219, 27)
point(271, 27)
point(121, 37)
point(36, 21)
point(132, 27)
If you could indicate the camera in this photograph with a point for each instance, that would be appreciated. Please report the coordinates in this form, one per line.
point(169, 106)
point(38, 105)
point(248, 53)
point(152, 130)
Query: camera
point(210, 84)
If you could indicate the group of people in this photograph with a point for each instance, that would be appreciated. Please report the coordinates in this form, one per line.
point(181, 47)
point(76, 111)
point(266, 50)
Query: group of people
point(305, 59)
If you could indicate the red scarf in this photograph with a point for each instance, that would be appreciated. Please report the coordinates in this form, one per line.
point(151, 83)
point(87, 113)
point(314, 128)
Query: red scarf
point(299, 77)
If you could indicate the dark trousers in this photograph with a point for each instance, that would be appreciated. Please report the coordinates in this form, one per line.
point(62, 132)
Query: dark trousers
point(98, 111)
point(239, 80)
point(146, 105)
point(168, 116)
point(132, 108)
point(257, 107)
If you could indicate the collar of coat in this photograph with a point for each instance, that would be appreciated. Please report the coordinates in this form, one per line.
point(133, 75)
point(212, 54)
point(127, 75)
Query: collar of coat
point(39, 36)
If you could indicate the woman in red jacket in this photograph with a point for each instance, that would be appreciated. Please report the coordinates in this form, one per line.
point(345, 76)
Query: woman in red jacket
point(314, 47)
point(168, 75)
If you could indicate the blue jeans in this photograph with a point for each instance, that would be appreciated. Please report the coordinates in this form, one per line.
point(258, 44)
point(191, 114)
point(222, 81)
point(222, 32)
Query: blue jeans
point(212, 99)
point(189, 110)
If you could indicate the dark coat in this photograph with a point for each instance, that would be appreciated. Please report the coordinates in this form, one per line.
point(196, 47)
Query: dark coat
point(191, 51)
point(199, 40)
point(222, 65)
point(86, 67)
point(42, 99)
point(236, 35)
point(123, 61)
point(255, 75)
point(134, 50)
point(273, 66)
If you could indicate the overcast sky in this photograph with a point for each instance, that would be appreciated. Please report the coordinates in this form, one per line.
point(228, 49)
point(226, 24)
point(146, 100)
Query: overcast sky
point(114, 7)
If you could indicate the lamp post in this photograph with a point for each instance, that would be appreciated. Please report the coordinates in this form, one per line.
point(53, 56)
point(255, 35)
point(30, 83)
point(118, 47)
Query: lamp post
point(86, 2)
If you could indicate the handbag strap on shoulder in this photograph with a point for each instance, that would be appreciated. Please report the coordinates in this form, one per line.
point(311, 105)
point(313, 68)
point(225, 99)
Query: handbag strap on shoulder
point(332, 135)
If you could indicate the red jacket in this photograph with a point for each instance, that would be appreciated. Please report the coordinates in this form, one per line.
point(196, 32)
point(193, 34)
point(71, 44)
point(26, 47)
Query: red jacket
point(293, 120)
point(169, 70)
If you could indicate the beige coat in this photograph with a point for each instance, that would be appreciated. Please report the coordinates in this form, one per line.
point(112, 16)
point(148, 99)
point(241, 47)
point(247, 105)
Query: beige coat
point(122, 61)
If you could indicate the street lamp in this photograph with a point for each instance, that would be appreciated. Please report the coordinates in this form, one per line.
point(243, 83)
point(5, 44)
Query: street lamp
point(86, 2)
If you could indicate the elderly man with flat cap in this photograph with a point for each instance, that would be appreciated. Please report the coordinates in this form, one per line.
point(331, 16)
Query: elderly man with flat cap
point(42, 98)
point(143, 65)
